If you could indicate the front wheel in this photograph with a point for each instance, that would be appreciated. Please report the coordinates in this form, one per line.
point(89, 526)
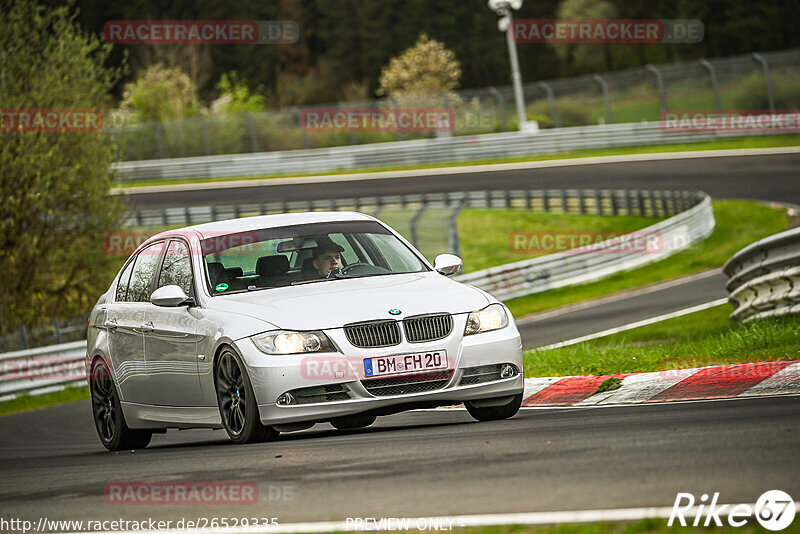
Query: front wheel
point(237, 403)
point(494, 413)
point(107, 412)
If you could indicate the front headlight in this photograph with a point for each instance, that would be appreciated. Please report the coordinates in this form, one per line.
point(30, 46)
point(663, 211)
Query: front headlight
point(492, 317)
point(283, 342)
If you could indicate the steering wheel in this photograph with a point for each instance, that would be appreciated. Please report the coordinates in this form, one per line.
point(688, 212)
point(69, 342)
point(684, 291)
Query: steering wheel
point(347, 268)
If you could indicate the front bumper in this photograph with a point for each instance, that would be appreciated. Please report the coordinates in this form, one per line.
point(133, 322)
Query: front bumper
point(271, 376)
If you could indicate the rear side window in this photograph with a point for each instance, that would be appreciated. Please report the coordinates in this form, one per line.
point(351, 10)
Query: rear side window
point(142, 276)
point(122, 285)
point(177, 269)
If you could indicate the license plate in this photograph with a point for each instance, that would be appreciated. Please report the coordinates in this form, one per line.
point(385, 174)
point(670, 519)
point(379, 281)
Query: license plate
point(405, 363)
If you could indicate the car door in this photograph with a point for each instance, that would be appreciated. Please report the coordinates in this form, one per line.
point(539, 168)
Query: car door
point(124, 321)
point(170, 345)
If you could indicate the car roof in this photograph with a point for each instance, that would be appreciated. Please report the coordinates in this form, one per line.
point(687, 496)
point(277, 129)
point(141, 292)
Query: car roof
point(249, 224)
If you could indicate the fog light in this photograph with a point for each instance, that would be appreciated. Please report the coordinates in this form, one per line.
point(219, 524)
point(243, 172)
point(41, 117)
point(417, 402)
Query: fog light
point(286, 398)
point(507, 370)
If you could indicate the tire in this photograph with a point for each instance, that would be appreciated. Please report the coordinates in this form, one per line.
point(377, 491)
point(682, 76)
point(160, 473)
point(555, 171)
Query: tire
point(494, 413)
point(237, 402)
point(107, 413)
point(351, 422)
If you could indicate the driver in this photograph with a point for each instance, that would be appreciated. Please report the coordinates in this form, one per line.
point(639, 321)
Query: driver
point(327, 256)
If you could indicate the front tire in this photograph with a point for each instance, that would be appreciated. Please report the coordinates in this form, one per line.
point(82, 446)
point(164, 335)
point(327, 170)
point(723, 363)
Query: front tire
point(237, 402)
point(494, 413)
point(108, 417)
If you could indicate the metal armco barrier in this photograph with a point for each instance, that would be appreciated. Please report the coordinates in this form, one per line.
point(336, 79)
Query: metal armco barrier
point(765, 277)
point(591, 263)
point(444, 149)
point(42, 369)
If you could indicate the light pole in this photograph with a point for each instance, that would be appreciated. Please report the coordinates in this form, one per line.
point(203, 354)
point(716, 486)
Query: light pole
point(504, 24)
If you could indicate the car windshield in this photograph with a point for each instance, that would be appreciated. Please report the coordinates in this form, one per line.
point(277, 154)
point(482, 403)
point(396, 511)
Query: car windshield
point(290, 255)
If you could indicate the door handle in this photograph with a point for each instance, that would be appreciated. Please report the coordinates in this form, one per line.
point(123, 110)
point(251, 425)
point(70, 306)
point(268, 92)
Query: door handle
point(110, 325)
point(148, 327)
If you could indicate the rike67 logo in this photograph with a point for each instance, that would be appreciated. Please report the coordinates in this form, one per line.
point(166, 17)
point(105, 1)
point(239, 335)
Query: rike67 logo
point(774, 510)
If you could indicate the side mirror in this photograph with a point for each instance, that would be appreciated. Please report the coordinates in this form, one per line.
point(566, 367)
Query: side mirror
point(448, 264)
point(170, 297)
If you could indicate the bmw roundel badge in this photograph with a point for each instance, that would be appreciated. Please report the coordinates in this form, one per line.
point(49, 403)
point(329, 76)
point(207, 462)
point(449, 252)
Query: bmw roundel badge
point(395, 311)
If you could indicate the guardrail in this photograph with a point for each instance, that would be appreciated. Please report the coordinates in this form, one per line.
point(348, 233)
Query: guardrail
point(690, 219)
point(594, 262)
point(437, 150)
point(42, 369)
point(765, 277)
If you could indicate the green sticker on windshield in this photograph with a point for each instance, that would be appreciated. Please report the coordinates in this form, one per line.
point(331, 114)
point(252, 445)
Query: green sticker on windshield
point(221, 287)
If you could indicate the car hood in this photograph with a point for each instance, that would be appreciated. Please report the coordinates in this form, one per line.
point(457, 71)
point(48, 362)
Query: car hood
point(334, 303)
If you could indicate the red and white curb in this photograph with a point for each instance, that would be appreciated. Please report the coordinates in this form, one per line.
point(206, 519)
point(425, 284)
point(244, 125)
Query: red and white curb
point(715, 382)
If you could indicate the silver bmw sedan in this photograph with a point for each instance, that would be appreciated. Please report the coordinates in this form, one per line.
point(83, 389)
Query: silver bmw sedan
point(272, 324)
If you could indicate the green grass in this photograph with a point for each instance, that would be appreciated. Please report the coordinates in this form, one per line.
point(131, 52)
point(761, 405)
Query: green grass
point(649, 526)
point(759, 141)
point(33, 402)
point(488, 235)
point(706, 337)
point(738, 223)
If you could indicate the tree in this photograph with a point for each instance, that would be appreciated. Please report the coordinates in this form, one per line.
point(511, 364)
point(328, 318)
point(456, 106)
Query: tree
point(56, 208)
point(161, 93)
point(586, 57)
point(424, 70)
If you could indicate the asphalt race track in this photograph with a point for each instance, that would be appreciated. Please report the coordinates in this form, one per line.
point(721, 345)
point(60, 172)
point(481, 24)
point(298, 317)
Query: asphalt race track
point(435, 463)
point(603, 314)
point(425, 463)
point(771, 178)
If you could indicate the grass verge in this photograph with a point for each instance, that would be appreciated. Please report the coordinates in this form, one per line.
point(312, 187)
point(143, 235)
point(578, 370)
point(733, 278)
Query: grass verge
point(739, 223)
point(32, 402)
point(759, 141)
point(703, 338)
point(488, 235)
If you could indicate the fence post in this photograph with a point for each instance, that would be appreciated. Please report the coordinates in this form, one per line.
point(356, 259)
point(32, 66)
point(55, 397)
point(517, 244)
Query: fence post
point(552, 99)
point(455, 245)
point(162, 153)
point(598, 200)
point(662, 96)
point(713, 74)
point(412, 224)
point(56, 330)
point(350, 132)
point(501, 106)
point(606, 101)
point(297, 113)
point(206, 140)
point(23, 337)
point(770, 96)
point(401, 134)
point(253, 132)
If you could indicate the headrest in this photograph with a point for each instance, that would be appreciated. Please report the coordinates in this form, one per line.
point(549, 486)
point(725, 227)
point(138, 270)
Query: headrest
point(272, 265)
point(233, 272)
point(217, 273)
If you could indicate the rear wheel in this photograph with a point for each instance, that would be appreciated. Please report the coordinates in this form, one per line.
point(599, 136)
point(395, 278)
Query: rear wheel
point(351, 422)
point(107, 412)
point(237, 403)
point(493, 413)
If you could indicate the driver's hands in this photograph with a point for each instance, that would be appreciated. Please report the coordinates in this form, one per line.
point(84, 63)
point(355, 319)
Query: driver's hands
point(333, 273)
